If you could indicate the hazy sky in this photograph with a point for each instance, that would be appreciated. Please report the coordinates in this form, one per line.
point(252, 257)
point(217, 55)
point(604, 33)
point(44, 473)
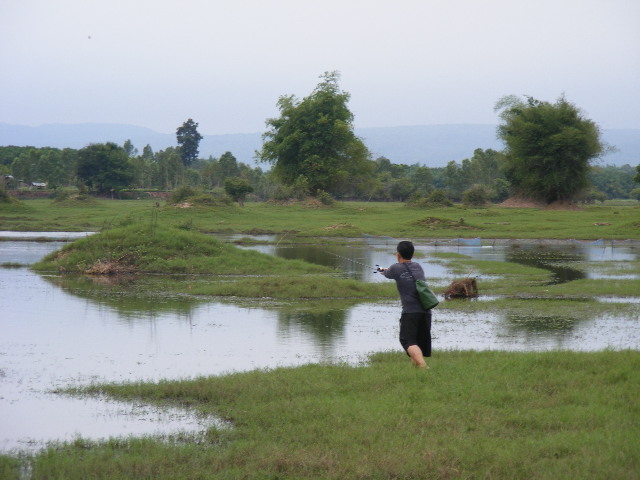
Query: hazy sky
point(155, 63)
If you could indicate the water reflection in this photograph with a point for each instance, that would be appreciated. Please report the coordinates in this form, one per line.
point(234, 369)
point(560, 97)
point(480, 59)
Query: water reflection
point(131, 297)
point(325, 328)
point(557, 261)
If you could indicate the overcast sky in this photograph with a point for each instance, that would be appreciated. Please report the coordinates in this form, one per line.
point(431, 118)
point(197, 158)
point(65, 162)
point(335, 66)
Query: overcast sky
point(155, 63)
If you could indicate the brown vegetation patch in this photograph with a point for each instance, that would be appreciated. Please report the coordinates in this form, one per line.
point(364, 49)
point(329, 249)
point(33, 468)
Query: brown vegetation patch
point(313, 203)
point(434, 223)
point(466, 288)
point(523, 202)
point(110, 267)
point(338, 226)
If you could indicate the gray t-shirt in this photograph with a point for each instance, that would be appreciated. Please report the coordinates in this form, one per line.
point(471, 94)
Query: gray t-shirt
point(406, 285)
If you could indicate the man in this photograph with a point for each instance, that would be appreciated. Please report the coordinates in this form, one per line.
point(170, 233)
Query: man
point(415, 321)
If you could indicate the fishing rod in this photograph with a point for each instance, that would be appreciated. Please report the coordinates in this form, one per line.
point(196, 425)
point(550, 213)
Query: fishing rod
point(366, 265)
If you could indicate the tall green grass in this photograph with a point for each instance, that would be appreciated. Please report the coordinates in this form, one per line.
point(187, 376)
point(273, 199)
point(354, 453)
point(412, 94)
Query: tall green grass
point(550, 415)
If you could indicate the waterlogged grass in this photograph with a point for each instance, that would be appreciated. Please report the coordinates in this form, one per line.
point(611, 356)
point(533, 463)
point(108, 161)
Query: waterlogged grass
point(591, 288)
point(465, 265)
point(545, 313)
point(551, 415)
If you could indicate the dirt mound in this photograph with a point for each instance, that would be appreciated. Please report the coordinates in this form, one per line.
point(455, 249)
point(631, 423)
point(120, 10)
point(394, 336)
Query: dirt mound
point(522, 202)
point(110, 267)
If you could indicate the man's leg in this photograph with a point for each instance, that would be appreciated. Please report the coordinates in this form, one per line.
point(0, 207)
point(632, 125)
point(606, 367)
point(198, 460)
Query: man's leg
point(417, 359)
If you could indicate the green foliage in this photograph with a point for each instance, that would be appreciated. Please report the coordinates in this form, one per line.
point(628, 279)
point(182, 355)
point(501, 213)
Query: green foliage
point(188, 140)
point(591, 196)
point(9, 153)
point(4, 196)
point(181, 194)
point(50, 165)
point(196, 197)
point(237, 189)
point(104, 166)
point(314, 138)
point(73, 198)
point(548, 147)
point(325, 197)
point(614, 182)
point(476, 196)
point(437, 198)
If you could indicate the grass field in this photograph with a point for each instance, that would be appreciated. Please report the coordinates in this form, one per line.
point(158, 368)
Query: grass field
point(551, 415)
point(344, 219)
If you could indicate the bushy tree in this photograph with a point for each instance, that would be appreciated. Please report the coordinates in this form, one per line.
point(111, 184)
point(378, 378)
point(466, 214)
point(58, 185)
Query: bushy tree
point(104, 166)
point(548, 147)
point(188, 141)
point(477, 196)
point(314, 138)
point(237, 189)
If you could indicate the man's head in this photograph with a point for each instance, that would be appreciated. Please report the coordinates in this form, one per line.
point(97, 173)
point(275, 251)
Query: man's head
point(405, 249)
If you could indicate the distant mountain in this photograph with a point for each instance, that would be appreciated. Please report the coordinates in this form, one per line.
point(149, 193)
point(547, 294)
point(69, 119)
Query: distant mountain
point(430, 145)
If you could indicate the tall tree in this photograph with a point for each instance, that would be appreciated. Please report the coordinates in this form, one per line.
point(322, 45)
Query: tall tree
point(314, 138)
point(548, 147)
point(228, 165)
point(104, 166)
point(188, 141)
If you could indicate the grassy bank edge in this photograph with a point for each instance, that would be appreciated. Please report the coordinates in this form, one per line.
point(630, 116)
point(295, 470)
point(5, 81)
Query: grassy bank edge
point(491, 414)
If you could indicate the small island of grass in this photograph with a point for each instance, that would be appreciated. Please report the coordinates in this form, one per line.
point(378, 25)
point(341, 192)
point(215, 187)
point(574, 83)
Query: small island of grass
point(139, 248)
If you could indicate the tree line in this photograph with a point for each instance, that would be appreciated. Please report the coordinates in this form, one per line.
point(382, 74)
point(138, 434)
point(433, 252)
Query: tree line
point(313, 151)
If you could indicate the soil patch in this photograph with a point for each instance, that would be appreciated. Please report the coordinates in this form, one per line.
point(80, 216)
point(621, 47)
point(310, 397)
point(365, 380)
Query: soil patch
point(434, 223)
point(522, 202)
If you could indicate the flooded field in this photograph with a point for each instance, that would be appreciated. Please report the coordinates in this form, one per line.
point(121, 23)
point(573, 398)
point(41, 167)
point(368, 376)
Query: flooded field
point(55, 334)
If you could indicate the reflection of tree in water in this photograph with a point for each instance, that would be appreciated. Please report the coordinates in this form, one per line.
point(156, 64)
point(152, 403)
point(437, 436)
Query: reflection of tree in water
point(346, 258)
point(132, 297)
point(554, 260)
point(533, 328)
point(326, 327)
point(541, 323)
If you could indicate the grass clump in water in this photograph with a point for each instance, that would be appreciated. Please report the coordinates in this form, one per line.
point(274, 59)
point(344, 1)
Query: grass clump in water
point(551, 415)
point(229, 270)
point(138, 248)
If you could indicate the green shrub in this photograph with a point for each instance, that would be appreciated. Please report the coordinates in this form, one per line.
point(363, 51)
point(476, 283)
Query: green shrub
point(437, 198)
point(476, 196)
point(181, 194)
point(325, 197)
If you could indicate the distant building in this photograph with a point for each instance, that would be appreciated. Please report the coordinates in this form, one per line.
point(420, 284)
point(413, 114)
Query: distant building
point(9, 181)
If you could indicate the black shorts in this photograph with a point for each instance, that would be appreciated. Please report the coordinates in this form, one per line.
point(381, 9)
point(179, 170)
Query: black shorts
point(415, 329)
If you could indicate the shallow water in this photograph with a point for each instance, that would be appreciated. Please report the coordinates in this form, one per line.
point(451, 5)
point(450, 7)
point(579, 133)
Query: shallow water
point(56, 333)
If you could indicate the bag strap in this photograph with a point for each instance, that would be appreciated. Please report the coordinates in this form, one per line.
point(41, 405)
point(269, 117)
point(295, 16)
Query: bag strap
point(409, 270)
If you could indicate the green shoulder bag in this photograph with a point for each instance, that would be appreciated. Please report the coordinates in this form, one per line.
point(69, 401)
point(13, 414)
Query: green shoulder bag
point(428, 299)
